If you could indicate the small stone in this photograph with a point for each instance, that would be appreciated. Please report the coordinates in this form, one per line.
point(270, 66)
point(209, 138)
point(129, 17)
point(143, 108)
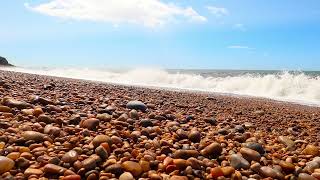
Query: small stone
point(194, 136)
point(32, 171)
point(89, 163)
point(134, 114)
point(181, 163)
point(214, 149)
point(5, 109)
point(114, 169)
point(99, 139)
point(37, 111)
point(104, 117)
point(70, 157)
point(22, 162)
point(239, 162)
point(250, 155)
point(239, 128)
point(175, 177)
point(146, 123)
point(15, 103)
point(72, 177)
point(227, 171)
point(53, 169)
point(126, 176)
point(90, 124)
point(286, 166)
point(33, 135)
point(46, 119)
point(305, 176)
point(185, 154)
point(137, 105)
point(132, 167)
point(269, 172)
point(216, 172)
point(287, 141)
point(6, 164)
point(311, 150)
point(102, 152)
point(255, 146)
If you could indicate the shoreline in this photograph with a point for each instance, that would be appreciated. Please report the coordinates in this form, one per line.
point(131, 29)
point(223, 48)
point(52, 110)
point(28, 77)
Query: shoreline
point(183, 90)
point(54, 127)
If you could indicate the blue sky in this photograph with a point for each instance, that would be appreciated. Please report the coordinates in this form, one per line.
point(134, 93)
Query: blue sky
point(212, 34)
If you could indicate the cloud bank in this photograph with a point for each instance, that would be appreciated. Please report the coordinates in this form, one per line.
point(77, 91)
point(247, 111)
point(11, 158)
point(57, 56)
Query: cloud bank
point(149, 13)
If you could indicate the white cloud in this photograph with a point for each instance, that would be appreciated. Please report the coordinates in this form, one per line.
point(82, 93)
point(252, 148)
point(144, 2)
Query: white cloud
point(240, 27)
point(218, 11)
point(150, 13)
point(239, 47)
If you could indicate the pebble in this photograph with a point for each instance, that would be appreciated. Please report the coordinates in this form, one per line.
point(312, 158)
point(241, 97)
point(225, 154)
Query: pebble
point(250, 155)
point(90, 124)
point(287, 141)
point(214, 149)
point(53, 169)
point(305, 176)
point(194, 136)
point(6, 164)
point(239, 162)
point(5, 109)
point(126, 176)
point(33, 135)
point(99, 139)
point(70, 157)
point(216, 172)
point(132, 167)
point(32, 171)
point(311, 150)
point(137, 105)
point(269, 172)
point(287, 166)
point(255, 146)
point(185, 154)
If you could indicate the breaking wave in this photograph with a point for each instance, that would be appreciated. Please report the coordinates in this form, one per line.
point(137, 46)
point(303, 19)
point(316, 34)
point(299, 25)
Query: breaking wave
point(287, 86)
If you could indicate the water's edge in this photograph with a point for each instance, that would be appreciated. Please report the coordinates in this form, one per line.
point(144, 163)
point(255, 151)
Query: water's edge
point(296, 87)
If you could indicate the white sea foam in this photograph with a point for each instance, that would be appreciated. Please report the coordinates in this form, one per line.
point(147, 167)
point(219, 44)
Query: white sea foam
point(295, 87)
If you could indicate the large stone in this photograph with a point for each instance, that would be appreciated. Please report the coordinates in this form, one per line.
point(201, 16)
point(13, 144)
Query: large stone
point(137, 105)
point(6, 164)
point(4, 62)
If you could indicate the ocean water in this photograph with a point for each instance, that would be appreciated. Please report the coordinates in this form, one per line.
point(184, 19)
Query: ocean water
point(292, 86)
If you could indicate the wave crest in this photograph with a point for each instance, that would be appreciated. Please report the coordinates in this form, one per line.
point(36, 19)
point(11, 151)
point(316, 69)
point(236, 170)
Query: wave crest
point(287, 86)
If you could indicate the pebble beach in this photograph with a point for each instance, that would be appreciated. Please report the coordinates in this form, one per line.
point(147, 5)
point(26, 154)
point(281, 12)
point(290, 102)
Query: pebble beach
point(67, 129)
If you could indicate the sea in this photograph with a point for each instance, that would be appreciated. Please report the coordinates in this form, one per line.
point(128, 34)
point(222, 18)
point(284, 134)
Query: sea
point(301, 87)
